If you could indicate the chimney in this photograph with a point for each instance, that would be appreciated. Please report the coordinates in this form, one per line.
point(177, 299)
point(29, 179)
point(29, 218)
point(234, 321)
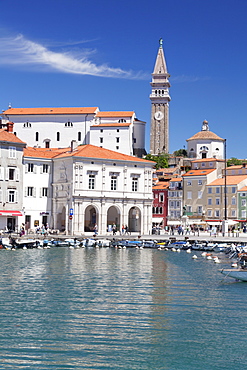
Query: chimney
point(10, 126)
point(73, 145)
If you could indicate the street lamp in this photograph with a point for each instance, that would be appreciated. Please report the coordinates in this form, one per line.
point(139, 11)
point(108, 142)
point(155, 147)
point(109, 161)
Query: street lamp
point(225, 221)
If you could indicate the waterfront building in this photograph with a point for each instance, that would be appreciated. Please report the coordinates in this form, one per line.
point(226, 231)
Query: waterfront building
point(160, 98)
point(242, 205)
point(203, 172)
point(175, 201)
point(96, 186)
point(11, 179)
point(57, 127)
point(216, 198)
point(37, 186)
point(205, 144)
point(160, 204)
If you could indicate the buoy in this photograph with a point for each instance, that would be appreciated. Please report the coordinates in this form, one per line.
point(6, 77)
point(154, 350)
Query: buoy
point(188, 250)
point(194, 257)
point(234, 264)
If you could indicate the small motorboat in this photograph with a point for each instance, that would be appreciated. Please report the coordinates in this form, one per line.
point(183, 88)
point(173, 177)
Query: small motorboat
point(238, 274)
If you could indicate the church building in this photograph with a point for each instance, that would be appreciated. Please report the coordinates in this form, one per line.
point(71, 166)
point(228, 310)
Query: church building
point(205, 144)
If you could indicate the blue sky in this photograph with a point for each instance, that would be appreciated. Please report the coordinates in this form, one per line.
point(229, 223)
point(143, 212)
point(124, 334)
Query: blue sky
point(101, 53)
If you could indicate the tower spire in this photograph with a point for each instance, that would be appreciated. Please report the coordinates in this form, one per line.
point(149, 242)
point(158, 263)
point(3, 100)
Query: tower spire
point(160, 98)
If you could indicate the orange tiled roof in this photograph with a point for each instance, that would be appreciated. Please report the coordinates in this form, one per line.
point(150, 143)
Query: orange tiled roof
point(9, 137)
point(176, 179)
point(115, 114)
point(236, 167)
point(230, 180)
point(207, 160)
point(198, 172)
point(243, 189)
point(161, 185)
point(43, 152)
point(38, 111)
point(205, 135)
point(92, 151)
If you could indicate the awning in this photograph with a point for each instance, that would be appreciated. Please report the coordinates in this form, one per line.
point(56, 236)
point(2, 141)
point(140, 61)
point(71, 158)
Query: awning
point(196, 222)
point(157, 219)
point(173, 222)
point(219, 222)
point(10, 213)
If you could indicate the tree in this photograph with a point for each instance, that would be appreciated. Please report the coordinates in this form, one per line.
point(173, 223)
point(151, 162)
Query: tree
point(234, 161)
point(161, 160)
point(180, 153)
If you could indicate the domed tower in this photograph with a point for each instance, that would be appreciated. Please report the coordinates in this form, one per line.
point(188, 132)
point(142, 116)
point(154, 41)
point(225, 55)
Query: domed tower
point(205, 144)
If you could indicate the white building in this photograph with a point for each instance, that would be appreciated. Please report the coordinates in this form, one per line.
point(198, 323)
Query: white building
point(11, 179)
point(37, 186)
point(205, 144)
point(92, 185)
point(57, 127)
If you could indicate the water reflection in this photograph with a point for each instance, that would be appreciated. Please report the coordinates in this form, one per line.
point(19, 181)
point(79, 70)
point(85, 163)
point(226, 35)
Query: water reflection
point(107, 308)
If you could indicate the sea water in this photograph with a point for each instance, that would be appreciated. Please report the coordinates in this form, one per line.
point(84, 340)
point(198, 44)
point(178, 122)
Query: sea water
point(119, 309)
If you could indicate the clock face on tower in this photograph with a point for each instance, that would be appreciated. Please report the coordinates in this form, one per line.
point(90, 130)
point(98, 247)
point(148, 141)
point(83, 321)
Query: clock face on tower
point(158, 115)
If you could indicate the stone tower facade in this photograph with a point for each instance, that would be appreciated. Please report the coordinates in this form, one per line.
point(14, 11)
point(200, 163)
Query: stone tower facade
point(160, 98)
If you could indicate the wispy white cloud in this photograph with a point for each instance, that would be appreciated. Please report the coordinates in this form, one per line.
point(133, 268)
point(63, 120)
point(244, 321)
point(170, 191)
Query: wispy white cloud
point(20, 52)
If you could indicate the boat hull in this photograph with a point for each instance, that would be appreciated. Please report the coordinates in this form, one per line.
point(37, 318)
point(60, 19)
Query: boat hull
point(238, 274)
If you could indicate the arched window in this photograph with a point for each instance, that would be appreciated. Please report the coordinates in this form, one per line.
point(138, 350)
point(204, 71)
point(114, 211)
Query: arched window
point(153, 210)
point(36, 136)
point(79, 136)
point(121, 120)
point(161, 210)
point(58, 136)
point(68, 124)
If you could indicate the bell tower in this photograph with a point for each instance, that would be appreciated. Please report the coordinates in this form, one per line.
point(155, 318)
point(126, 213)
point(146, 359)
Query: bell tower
point(160, 98)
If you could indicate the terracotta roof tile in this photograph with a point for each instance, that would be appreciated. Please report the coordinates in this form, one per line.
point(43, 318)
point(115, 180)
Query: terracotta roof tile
point(243, 189)
point(205, 135)
point(92, 151)
point(230, 180)
point(43, 152)
point(38, 111)
point(207, 160)
point(198, 172)
point(9, 137)
point(235, 167)
point(176, 179)
point(115, 114)
point(161, 185)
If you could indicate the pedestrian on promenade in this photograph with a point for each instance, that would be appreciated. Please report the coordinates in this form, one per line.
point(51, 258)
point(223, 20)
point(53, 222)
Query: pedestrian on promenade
point(126, 230)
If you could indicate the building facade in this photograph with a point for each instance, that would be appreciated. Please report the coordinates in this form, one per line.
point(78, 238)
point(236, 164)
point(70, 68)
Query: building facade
point(57, 127)
point(11, 179)
point(205, 144)
point(160, 204)
point(95, 186)
point(175, 201)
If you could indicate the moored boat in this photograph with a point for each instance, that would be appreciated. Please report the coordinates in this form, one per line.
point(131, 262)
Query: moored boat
point(238, 274)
